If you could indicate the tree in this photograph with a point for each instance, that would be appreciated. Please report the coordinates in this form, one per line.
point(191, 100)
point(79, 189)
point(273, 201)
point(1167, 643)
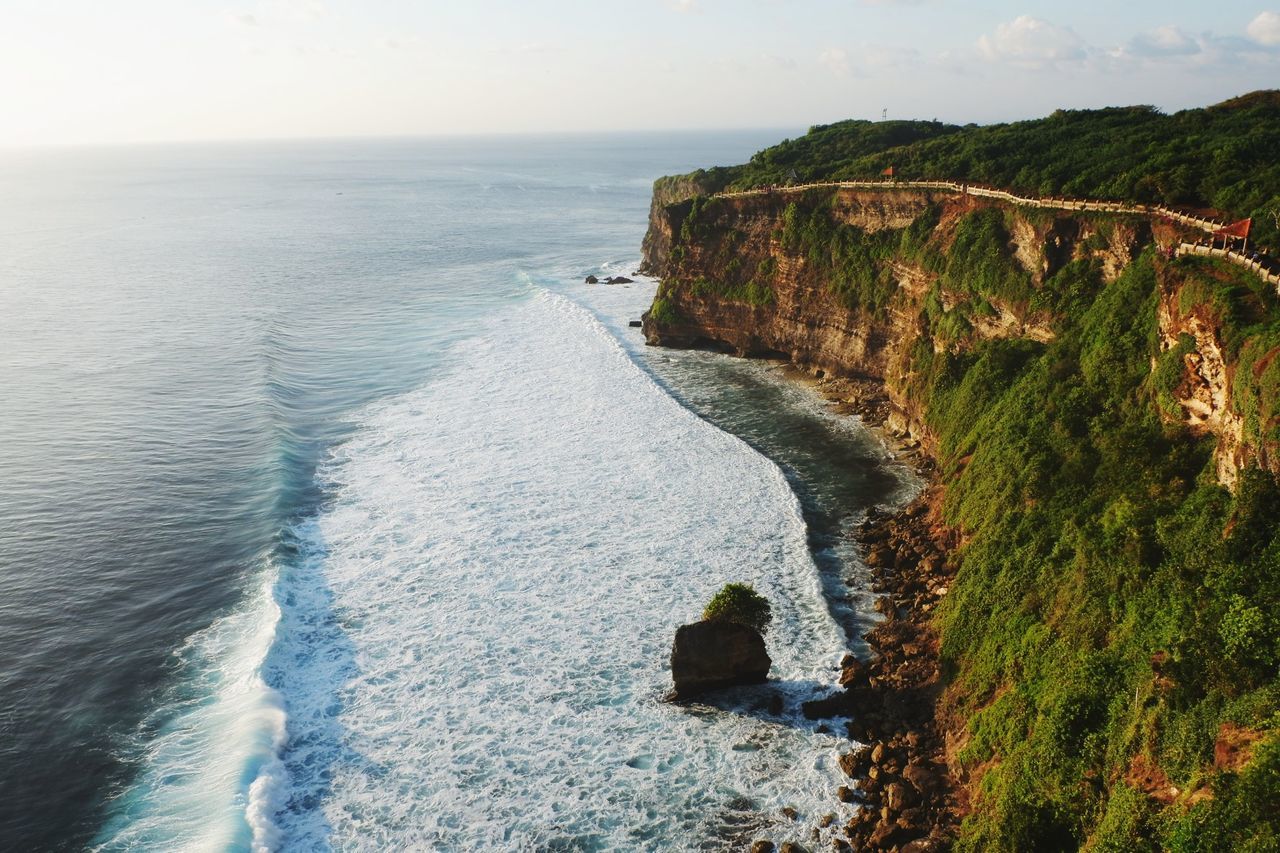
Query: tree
point(740, 603)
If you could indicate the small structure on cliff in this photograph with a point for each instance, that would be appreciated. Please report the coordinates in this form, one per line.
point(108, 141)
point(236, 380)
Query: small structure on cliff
point(726, 648)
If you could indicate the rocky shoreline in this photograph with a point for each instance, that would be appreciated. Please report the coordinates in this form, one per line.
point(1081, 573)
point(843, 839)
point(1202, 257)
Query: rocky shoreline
point(908, 799)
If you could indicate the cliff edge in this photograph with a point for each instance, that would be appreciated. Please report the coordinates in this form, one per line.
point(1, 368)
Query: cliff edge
point(1104, 420)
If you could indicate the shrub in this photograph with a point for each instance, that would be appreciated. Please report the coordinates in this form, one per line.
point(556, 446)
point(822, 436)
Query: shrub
point(739, 602)
point(663, 312)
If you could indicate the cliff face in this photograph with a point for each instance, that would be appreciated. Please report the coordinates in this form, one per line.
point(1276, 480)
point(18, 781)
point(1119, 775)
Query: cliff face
point(1101, 643)
point(736, 277)
point(795, 314)
point(1086, 397)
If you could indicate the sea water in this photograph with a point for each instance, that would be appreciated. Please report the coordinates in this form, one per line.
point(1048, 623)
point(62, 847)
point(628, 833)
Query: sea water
point(338, 513)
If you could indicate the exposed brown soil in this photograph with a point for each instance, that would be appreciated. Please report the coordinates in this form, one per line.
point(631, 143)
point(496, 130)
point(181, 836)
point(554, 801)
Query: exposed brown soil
point(1147, 777)
point(1234, 747)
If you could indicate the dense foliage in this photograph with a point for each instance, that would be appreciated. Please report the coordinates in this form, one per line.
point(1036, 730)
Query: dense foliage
point(1226, 157)
point(1111, 643)
point(1116, 617)
point(1117, 609)
point(740, 603)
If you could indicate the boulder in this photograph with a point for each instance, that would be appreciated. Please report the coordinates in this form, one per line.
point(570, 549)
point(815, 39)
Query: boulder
point(855, 763)
point(920, 777)
point(592, 280)
point(884, 606)
point(635, 324)
point(853, 672)
point(887, 836)
point(881, 557)
point(853, 702)
point(711, 654)
point(836, 705)
point(897, 796)
point(763, 847)
point(618, 279)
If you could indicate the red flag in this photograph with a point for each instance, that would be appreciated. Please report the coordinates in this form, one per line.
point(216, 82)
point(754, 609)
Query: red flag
point(888, 173)
point(1235, 229)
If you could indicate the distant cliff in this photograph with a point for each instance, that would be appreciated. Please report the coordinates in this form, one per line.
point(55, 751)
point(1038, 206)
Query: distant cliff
point(1106, 422)
point(876, 280)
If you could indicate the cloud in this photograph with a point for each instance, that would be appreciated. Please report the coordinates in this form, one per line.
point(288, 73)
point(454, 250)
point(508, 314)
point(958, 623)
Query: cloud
point(1170, 46)
point(779, 63)
point(869, 60)
point(304, 11)
point(890, 58)
point(1164, 41)
point(1265, 29)
point(246, 20)
point(835, 60)
point(1033, 43)
point(683, 6)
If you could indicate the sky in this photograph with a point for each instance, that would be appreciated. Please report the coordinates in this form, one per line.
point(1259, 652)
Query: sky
point(75, 72)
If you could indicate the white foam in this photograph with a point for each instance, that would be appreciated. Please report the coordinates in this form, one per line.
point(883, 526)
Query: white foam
point(213, 739)
point(473, 649)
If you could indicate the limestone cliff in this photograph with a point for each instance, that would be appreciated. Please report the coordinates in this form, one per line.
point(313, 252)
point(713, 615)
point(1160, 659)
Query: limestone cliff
point(1081, 629)
point(739, 275)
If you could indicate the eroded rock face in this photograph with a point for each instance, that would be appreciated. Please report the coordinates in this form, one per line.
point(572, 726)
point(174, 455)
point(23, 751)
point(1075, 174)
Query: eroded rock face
point(1205, 391)
point(803, 319)
point(709, 655)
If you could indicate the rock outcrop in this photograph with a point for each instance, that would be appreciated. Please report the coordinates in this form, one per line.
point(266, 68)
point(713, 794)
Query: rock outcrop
point(1203, 392)
point(712, 654)
point(732, 282)
point(888, 294)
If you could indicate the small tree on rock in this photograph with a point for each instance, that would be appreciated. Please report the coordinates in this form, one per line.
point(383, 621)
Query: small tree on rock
point(740, 603)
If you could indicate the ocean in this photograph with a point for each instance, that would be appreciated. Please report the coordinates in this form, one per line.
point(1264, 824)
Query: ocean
point(337, 512)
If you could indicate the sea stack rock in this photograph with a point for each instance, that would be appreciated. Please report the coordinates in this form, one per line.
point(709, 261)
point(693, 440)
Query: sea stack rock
point(716, 653)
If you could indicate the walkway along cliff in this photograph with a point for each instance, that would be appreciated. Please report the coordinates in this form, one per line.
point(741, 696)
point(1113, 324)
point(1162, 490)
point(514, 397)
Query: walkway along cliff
point(1266, 268)
point(1103, 406)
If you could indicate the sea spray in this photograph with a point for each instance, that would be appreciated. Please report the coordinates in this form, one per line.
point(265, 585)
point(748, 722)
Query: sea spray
point(191, 329)
point(473, 653)
point(211, 743)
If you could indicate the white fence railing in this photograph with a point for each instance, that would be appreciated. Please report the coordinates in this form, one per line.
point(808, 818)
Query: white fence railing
point(1050, 203)
point(1242, 259)
point(1189, 219)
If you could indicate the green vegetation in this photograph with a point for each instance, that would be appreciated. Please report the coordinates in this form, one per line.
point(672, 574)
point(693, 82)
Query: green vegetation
point(1099, 544)
point(740, 603)
point(1226, 156)
point(854, 264)
point(977, 260)
point(1115, 623)
point(662, 311)
point(1170, 368)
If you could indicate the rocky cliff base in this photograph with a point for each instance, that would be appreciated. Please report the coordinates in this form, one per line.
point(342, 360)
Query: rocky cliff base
point(1105, 417)
point(899, 777)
